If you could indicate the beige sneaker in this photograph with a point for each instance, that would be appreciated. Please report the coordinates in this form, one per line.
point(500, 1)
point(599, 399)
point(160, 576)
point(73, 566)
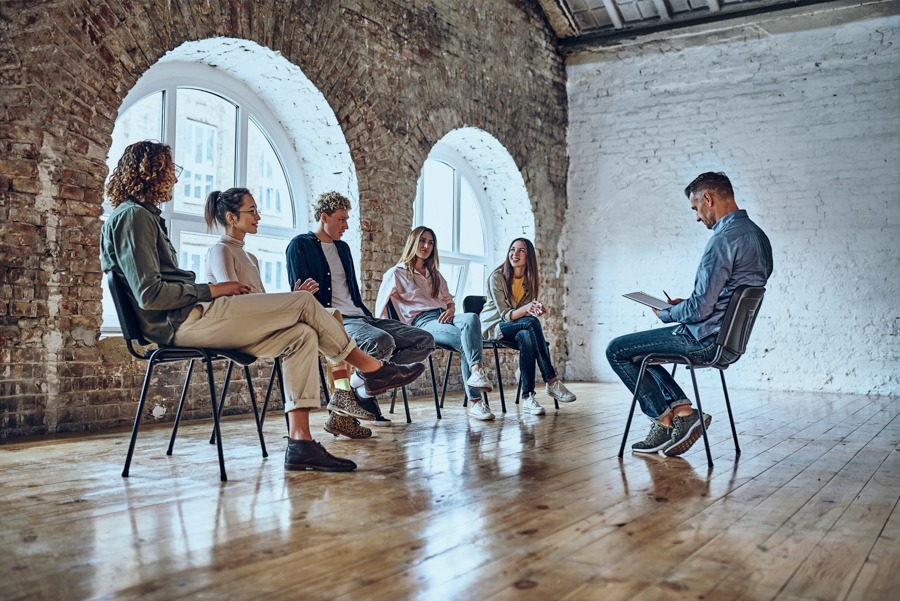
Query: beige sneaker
point(559, 392)
point(343, 425)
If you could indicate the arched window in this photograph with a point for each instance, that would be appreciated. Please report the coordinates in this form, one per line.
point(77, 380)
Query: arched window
point(449, 202)
point(223, 136)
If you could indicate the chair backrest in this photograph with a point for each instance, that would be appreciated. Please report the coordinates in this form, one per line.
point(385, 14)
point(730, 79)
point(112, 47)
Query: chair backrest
point(739, 319)
point(473, 304)
point(131, 329)
point(392, 312)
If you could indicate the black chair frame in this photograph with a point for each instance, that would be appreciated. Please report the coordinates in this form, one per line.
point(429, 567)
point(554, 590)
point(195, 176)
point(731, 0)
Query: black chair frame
point(125, 309)
point(438, 403)
point(737, 324)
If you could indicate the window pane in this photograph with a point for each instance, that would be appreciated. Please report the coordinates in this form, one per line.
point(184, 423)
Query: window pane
point(204, 146)
point(471, 236)
point(270, 254)
point(476, 279)
point(438, 202)
point(143, 121)
point(267, 180)
point(192, 253)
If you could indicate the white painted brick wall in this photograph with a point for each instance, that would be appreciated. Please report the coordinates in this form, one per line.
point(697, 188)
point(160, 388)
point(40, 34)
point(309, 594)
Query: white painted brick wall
point(807, 125)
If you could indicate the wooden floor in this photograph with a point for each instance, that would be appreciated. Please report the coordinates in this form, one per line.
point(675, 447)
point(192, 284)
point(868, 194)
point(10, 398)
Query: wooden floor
point(534, 508)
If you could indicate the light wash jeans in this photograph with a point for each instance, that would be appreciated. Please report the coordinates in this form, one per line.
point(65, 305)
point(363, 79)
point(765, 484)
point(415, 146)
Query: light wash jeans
point(660, 392)
point(463, 336)
point(528, 335)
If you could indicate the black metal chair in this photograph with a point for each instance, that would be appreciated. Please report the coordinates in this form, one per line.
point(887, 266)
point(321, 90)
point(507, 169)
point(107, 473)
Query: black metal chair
point(392, 313)
point(125, 309)
point(734, 334)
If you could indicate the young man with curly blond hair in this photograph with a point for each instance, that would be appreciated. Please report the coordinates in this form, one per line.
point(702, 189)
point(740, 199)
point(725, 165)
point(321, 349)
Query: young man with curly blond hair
point(321, 263)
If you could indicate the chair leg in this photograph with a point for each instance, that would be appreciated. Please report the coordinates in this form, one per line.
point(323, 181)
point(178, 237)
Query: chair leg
point(637, 387)
point(324, 382)
point(187, 380)
point(262, 441)
point(447, 379)
point(393, 399)
point(222, 399)
point(405, 405)
point(437, 403)
point(265, 407)
point(700, 411)
point(737, 447)
point(499, 379)
point(137, 418)
point(216, 431)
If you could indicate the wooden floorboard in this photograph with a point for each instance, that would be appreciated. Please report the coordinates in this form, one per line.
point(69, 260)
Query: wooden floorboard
point(524, 508)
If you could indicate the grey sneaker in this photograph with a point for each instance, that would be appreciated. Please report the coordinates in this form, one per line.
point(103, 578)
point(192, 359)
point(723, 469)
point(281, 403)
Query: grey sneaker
point(530, 405)
point(344, 402)
point(559, 392)
point(685, 432)
point(481, 410)
point(657, 439)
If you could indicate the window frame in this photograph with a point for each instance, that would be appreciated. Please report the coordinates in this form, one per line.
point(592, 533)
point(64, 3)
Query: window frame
point(170, 76)
point(462, 171)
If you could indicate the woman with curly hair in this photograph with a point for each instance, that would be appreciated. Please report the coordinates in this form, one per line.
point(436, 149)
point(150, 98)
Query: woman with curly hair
point(172, 308)
point(512, 311)
point(419, 294)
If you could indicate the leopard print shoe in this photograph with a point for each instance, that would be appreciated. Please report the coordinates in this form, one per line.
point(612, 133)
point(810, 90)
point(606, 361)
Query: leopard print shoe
point(343, 425)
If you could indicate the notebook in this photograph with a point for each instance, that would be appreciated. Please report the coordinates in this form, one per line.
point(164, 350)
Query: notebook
point(646, 299)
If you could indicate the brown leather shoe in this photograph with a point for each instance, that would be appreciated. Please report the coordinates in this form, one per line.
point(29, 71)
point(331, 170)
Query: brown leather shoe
point(310, 455)
point(390, 375)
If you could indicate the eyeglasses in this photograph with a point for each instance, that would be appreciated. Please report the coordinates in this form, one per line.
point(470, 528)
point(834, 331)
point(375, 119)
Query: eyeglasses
point(253, 212)
point(178, 170)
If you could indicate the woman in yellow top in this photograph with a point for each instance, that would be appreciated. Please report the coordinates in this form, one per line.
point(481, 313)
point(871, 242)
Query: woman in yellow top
point(511, 313)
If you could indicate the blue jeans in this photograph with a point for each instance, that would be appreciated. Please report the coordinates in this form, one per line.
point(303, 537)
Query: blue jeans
point(528, 335)
point(463, 336)
point(660, 392)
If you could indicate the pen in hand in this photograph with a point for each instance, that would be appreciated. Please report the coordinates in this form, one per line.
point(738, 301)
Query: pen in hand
point(667, 297)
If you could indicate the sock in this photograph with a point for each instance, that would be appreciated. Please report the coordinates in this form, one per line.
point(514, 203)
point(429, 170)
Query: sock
point(341, 377)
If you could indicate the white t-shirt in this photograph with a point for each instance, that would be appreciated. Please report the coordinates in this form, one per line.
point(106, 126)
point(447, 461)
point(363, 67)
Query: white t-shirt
point(340, 292)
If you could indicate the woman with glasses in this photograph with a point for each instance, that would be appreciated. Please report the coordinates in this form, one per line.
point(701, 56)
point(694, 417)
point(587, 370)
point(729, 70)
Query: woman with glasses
point(236, 212)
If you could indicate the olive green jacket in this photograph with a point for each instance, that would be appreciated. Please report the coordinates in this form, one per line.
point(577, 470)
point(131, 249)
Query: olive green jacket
point(498, 306)
point(134, 244)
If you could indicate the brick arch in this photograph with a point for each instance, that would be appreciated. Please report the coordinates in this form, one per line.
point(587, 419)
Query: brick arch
point(396, 76)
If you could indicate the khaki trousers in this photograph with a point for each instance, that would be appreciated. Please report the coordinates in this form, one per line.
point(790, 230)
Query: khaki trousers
point(290, 325)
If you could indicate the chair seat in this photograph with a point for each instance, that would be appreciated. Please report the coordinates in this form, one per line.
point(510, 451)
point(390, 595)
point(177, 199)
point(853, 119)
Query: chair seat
point(181, 353)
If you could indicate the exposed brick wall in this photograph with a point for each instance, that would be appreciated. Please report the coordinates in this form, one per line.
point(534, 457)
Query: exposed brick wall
point(398, 75)
point(807, 123)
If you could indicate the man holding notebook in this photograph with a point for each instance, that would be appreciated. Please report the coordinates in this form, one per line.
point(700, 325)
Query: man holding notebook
point(738, 254)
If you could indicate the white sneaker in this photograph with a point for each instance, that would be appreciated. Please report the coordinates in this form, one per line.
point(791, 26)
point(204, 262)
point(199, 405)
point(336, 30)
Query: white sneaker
point(482, 411)
point(530, 405)
point(559, 392)
point(479, 380)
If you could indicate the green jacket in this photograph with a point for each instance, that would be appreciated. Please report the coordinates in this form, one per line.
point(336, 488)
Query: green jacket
point(498, 306)
point(134, 244)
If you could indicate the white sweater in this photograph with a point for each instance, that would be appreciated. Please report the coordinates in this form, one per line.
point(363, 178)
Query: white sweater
point(227, 261)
